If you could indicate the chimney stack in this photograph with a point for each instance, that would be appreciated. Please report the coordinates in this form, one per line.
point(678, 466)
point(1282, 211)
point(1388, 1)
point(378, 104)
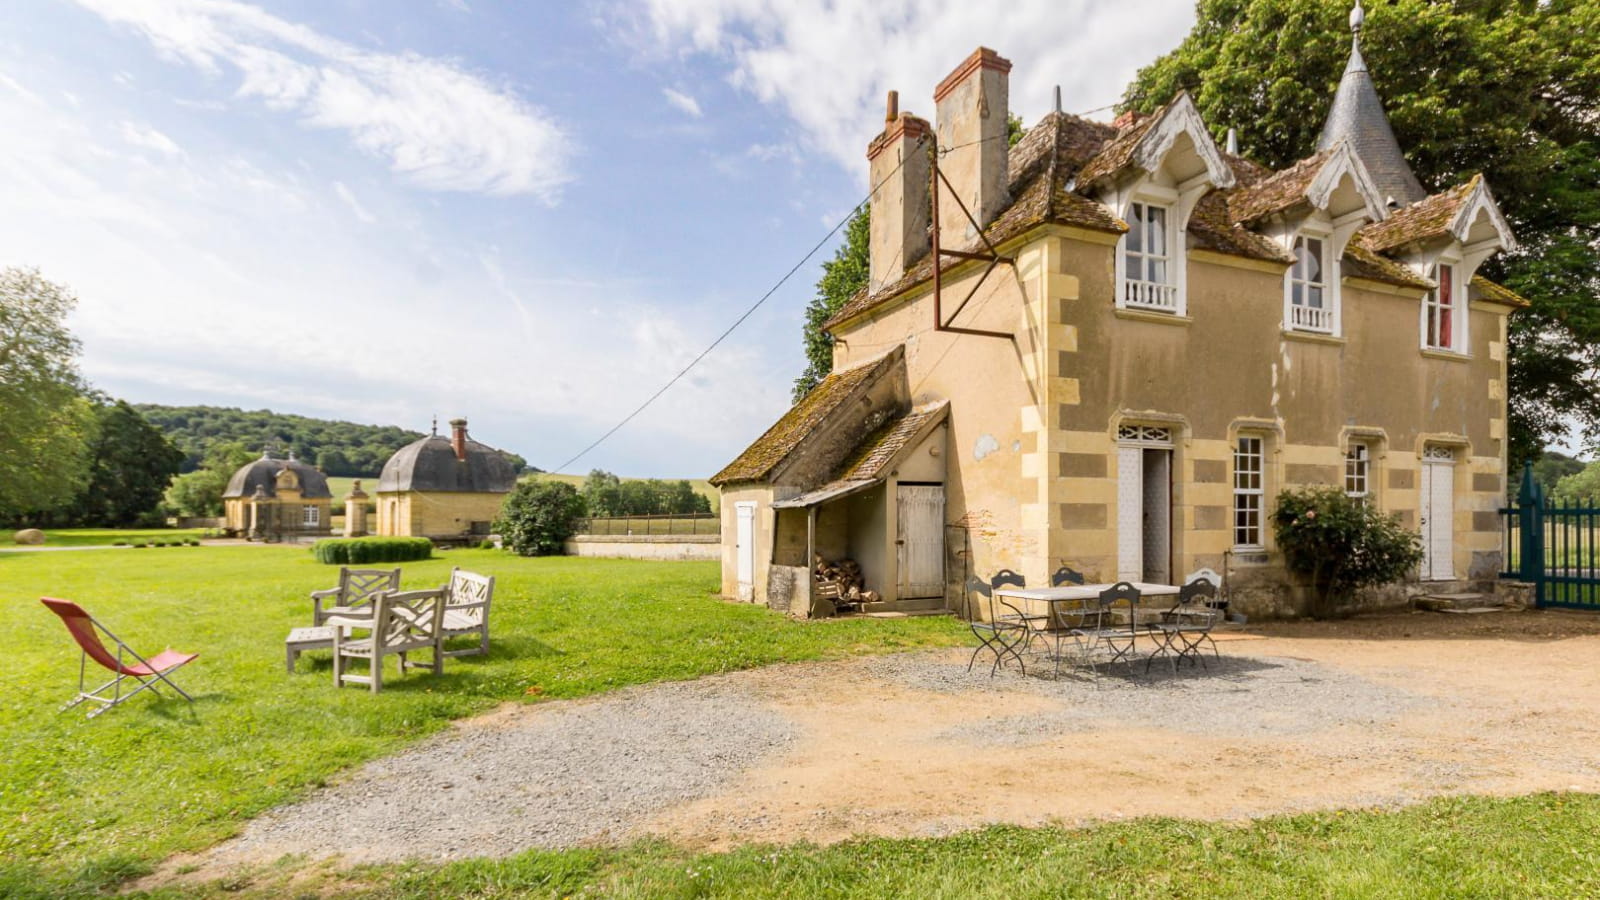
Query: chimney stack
point(898, 163)
point(972, 104)
point(458, 438)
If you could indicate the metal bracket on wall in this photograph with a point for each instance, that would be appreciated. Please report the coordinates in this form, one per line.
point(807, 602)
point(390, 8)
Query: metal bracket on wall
point(993, 257)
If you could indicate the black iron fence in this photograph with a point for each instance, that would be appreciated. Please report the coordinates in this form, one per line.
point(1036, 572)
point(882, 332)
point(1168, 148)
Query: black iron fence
point(666, 526)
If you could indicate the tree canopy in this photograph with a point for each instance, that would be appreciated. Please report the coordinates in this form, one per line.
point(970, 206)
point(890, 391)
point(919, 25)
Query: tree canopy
point(44, 418)
point(339, 448)
point(604, 494)
point(130, 465)
point(1509, 88)
point(842, 277)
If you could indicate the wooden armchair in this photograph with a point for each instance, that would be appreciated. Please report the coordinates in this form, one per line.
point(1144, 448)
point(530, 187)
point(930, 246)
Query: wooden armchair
point(392, 624)
point(355, 591)
point(466, 609)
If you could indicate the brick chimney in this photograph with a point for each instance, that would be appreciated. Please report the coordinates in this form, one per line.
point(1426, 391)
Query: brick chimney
point(971, 107)
point(900, 207)
point(458, 438)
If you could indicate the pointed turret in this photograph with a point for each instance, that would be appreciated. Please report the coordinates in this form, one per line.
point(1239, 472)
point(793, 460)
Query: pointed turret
point(1357, 116)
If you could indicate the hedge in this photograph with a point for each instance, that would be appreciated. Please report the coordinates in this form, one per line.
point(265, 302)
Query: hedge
point(359, 551)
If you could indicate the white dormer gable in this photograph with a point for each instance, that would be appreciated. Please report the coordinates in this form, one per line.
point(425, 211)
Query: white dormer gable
point(1479, 227)
point(1153, 186)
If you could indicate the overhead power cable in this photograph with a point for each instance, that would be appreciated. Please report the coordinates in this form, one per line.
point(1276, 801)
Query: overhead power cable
point(766, 296)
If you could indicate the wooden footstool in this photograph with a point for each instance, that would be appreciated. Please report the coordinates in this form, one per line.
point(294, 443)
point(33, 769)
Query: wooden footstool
point(319, 638)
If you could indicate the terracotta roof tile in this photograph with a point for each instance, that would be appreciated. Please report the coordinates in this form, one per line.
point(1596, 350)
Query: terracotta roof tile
point(1276, 192)
point(1118, 151)
point(1498, 293)
point(1427, 218)
point(763, 456)
point(878, 450)
point(1212, 229)
point(1359, 262)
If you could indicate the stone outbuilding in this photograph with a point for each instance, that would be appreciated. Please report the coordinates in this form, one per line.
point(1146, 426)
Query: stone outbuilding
point(1133, 339)
point(447, 489)
point(274, 499)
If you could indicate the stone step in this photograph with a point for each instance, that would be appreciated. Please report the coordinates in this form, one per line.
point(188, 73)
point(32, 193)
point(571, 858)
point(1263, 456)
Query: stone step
point(1459, 602)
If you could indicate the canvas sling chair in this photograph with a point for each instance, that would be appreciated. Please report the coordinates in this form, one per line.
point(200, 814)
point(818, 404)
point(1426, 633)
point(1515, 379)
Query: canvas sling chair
point(125, 663)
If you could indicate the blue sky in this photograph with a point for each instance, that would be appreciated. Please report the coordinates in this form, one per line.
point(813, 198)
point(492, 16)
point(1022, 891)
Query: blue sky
point(531, 214)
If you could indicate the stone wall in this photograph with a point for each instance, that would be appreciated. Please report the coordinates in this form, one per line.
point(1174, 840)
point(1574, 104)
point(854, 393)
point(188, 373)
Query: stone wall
point(639, 546)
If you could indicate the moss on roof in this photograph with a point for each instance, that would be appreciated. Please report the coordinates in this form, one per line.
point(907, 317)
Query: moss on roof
point(878, 450)
point(763, 456)
point(1276, 192)
point(1359, 262)
point(1429, 217)
point(1498, 293)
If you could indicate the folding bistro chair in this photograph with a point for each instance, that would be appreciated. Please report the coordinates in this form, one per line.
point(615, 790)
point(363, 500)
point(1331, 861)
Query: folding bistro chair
point(1065, 575)
point(1186, 627)
point(1102, 629)
point(995, 634)
point(126, 663)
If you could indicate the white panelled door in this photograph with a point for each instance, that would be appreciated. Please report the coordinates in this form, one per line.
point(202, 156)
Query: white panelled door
point(1438, 515)
point(1130, 514)
point(745, 549)
point(919, 510)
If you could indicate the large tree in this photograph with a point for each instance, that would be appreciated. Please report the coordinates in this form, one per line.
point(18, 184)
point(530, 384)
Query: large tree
point(44, 420)
point(130, 465)
point(1509, 88)
point(842, 277)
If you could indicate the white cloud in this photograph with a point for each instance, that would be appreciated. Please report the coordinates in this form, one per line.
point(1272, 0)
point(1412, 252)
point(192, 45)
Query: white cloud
point(828, 63)
point(350, 200)
point(148, 138)
point(683, 101)
point(434, 123)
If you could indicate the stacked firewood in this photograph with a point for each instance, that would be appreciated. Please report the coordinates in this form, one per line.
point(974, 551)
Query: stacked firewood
point(842, 582)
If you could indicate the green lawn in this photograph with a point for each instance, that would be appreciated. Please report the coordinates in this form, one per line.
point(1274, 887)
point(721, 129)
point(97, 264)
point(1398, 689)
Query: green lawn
point(98, 537)
point(85, 803)
point(339, 485)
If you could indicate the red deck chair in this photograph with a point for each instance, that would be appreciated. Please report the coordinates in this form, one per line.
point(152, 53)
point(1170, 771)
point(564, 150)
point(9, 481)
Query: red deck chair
point(126, 663)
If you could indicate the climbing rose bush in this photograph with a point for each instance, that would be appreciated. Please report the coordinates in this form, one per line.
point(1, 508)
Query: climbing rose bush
point(1341, 544)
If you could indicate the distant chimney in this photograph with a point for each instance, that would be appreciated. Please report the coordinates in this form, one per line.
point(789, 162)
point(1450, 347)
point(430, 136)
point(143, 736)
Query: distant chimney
point(898, 163)
point(1128, 117)
point(972, 103)
point(458, 438)
point(1233, 142)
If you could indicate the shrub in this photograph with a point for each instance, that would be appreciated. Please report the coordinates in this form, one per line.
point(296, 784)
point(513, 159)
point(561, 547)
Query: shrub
point(119, 543)
point(539, 516)
point(360, 551)
point(140, 546)
point(486, 545)
point(1341, 544)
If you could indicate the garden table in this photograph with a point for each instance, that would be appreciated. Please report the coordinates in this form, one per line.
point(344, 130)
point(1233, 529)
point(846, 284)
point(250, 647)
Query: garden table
point(1075, 600)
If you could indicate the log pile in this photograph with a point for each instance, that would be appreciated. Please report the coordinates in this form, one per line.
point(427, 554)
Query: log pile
point(842, 583)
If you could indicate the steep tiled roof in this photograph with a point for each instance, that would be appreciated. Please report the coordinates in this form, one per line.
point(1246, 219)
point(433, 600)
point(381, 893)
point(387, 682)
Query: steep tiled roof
point(1498, 293)
point(1118, 151)
point(1360, 262)
point(1427, 218)
point(1357, 116)
point(1276, 192)
point(1212, 229)
point(873, 456)
point(763, 456)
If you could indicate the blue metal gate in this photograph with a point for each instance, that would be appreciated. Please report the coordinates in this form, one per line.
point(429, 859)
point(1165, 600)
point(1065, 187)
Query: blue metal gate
point(1553, 546)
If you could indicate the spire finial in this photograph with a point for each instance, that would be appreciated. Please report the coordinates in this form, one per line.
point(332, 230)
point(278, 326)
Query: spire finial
point(1357, 18)
point(1058, 98)
point(435, 424)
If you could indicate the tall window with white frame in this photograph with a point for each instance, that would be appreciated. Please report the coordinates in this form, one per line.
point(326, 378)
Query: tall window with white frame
point(1248, 492)
point(1311, 302)
point(310, 515)
point(1357, 471)
point(1439, 321)
point(1148, 281)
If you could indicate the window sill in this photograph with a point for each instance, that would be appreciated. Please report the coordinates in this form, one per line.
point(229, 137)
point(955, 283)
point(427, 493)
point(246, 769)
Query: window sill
point(1150, 315)
point(1313, 337)
point(1451, 355)
point(1250, 556)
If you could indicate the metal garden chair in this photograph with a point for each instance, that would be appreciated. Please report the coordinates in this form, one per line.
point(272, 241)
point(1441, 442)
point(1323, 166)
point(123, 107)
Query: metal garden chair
point(1100, 628)
point(125, 663)
point(999, 636)
point(1186, 627)
point(1065, 575)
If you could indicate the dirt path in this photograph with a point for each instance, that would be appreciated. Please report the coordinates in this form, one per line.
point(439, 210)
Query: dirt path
point(1371, 712)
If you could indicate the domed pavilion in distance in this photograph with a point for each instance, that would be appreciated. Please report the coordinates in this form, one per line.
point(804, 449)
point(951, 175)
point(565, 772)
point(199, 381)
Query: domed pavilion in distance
point(275, 499)
point(448, 489)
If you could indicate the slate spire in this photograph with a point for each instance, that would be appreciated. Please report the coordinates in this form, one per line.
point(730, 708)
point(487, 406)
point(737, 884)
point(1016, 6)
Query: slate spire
point(1357, 116)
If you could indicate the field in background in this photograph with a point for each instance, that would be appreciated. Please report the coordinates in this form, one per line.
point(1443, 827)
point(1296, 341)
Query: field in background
point(105, 537)
point(339, 485)
point(700, 485)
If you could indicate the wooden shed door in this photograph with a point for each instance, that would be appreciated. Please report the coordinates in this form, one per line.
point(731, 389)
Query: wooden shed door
point(920, 513)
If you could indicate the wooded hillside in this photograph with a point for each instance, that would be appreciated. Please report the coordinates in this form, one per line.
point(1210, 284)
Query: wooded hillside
point(339, 448)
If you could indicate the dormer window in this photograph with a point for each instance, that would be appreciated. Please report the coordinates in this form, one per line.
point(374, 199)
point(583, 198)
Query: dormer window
point(1148, 281)
point(1441, 312)
point(1313, 304)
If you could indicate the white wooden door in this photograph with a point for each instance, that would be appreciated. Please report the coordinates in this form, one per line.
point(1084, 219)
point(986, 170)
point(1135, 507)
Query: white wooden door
point(1438, 525)
point(919, 512)
point(745, 548)
point(1130, 514)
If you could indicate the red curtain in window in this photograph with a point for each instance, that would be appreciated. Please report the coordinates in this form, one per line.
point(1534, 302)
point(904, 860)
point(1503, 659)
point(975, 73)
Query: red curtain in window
point(1446, 310)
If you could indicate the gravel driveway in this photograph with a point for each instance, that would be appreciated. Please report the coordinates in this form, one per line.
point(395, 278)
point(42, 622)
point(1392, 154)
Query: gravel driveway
point(914, 744)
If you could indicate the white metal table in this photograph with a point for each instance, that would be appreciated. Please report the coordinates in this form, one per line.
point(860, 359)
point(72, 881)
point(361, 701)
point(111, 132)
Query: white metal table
point(1052, 597)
